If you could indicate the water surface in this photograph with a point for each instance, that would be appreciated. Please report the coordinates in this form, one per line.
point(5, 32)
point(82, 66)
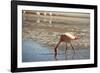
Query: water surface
point(34, 52)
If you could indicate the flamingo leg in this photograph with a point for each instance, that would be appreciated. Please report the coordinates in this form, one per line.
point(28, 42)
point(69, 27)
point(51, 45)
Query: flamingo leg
point(72, 47)
point(66, 48)
point(55, 49)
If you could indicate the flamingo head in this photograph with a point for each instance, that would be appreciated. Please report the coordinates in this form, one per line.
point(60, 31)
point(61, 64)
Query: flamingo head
point(76, 37)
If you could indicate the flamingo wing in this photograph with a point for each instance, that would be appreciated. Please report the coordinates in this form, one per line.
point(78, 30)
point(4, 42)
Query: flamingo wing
point(70, 35)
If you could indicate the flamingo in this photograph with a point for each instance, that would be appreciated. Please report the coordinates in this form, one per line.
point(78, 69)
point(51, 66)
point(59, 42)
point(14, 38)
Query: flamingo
point(38, 19)
point(67, 38)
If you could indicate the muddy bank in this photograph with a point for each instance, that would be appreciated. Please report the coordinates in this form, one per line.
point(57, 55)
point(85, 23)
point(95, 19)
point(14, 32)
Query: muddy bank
point(48, 30)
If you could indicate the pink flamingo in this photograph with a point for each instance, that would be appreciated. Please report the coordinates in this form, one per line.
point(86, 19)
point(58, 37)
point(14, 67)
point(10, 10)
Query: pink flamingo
point(67, 38)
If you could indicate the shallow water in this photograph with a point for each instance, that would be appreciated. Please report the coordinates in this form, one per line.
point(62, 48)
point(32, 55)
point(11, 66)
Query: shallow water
point(34, 52)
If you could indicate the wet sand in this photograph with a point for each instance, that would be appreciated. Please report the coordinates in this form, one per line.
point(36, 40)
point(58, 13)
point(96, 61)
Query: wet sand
point(49, 33)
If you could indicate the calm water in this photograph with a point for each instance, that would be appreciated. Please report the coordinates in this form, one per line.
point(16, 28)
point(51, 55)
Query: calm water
point(33, 52)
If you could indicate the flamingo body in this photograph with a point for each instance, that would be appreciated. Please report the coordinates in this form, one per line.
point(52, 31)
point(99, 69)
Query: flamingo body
point(67, 38)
